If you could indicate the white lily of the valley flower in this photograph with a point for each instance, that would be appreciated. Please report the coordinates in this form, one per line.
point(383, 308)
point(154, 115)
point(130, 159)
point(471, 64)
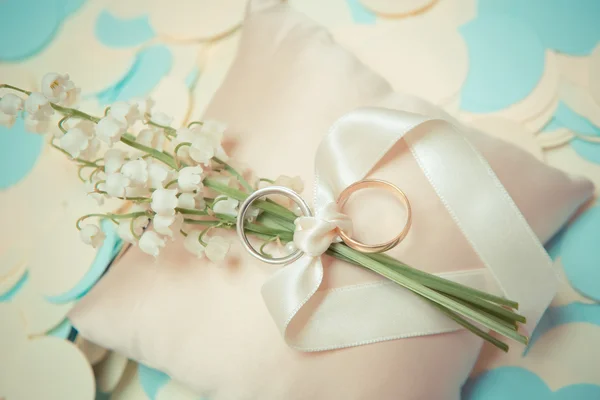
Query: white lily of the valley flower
point(38, 107)
point(145, 106)
point(92, 235)
point(11, 104)
point(59, 89)
point(91, 152)
point(294, 183)
point(71, 95)
point(113, 160)
point(90, 187)
point(157, 175)
point(124, 229)
point(164, 201)
point(190, 179)
point(214, 130)
point(167, 225)
point(136, 170)
point(202, 150)
point(7, 120)
point(75, 141)
point(110, 130)
point(151, 243)
point(192, 244)
point(115, 184)
point(187, 200)
point(226, 206)
point(125, 113)
point(184, 135)
point(216, 248)
point(36, 125)
point(151, 137)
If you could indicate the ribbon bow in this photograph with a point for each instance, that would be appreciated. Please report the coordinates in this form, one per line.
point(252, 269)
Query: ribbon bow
point(313, 235)
point(368, 313)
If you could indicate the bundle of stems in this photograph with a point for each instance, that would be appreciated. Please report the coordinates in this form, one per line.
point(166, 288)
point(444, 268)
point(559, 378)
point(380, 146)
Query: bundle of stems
point(477, 311)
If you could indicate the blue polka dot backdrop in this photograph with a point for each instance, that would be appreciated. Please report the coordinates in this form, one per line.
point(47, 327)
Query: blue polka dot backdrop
point(508, 42)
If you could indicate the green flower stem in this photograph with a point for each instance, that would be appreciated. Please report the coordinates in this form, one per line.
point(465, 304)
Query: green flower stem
point(427, 293)
point(203, 222)
point(159, 155)
point(61, 122)
point(7, 86)
point(170, 131)
point(191, 212)
point(111, 216)
point(234, 172)
point(390, 261)
point(469, 326)
point(275, 209)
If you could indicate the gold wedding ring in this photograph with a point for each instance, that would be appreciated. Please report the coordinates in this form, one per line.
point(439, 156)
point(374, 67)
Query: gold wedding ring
point(375, 184)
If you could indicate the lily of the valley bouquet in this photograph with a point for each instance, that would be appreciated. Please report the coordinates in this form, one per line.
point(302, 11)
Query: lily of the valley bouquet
point(180, 181)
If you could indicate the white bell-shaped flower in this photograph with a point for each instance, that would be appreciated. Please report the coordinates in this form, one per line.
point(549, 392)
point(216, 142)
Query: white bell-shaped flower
point(116, 184)
point(59, 89)
point(145, 106)
point(38, 107)
point(216, 248)
point(226, 206)
point(91, 152)
point(71, 95)
point(184, 135)
point(202, 150)
point(190, 179)
point(75, 141)
point(151, 243)
point(294, 183)
point(187, 200)
point(124, 230)
point(157, 174)
point(7, 120)
point(151, 137)
point(167, 225)
point(11, 104)
point(192, 244)
point(125, 113)
point(136, 171)
point(92, 235)
point(110, 130)
point(113, 160)
point(90, 188)
point(164, 201)
point(36, 125)
point(213, 130)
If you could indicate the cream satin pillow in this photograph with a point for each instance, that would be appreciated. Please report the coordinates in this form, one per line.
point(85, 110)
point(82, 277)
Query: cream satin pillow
point(207, 325)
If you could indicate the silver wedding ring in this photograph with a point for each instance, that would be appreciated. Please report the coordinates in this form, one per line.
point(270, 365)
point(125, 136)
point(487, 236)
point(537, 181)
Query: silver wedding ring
point(241, 220)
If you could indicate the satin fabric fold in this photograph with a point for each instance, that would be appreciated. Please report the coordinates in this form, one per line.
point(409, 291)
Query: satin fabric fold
point(474, 197)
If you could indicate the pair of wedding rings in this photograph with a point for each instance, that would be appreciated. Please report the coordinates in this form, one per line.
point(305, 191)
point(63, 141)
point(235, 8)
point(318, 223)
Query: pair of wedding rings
point(306, 211)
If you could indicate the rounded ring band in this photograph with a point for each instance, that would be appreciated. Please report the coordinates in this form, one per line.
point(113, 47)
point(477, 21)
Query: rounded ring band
point(271, 190)
point(377, 184)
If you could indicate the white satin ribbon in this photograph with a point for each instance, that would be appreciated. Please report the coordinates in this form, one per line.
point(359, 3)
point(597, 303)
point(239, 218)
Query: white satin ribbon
point(461, 177)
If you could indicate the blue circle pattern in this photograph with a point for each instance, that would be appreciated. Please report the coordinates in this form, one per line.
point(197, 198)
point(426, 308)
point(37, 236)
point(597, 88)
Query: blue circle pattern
point(516, 383)
point(19, 151)
point(506, 49)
